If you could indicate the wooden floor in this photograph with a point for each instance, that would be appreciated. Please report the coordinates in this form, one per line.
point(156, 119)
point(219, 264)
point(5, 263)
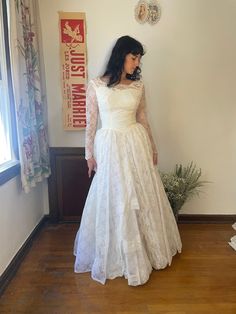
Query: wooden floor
point(202, 279)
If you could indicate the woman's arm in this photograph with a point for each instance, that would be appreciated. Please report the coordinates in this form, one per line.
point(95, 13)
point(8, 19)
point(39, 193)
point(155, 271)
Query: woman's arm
point(91, 119)
point(141, 117)
point(91, 126)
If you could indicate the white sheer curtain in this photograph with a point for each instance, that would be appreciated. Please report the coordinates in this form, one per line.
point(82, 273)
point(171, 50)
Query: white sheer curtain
point(29, 91)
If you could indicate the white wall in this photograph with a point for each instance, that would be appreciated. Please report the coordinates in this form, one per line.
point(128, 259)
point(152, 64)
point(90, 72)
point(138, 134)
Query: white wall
point(189, 72)
point(19, 213)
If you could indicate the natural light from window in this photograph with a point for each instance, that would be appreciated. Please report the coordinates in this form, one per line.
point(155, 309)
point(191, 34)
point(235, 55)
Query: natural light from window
point(5, 127)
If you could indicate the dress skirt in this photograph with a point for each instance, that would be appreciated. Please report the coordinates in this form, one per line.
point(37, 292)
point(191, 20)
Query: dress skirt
point(127, 227)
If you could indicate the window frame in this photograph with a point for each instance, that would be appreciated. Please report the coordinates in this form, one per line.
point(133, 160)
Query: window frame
point(9, 169)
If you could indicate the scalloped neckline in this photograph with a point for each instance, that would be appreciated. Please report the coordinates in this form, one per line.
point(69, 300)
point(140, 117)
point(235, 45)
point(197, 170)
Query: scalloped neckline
point(120, 84)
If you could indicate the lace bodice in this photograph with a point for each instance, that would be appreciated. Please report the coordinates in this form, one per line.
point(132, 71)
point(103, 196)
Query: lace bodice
point(118, 107)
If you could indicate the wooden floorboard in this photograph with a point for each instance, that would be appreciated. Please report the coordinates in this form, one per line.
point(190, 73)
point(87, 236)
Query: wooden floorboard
point(202, 279)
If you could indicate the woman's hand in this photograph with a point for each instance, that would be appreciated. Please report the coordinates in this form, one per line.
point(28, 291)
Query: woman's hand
point(92, 166)
point(155, 158)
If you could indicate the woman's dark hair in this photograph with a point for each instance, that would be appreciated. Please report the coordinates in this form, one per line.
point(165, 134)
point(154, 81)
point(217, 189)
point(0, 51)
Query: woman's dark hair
point(123, 46)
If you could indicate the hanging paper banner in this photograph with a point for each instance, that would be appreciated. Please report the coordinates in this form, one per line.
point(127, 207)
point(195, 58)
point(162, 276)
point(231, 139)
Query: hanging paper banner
point(73, 69)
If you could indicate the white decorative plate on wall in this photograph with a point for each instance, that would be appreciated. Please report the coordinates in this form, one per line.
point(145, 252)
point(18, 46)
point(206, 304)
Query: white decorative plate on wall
point(148, 11)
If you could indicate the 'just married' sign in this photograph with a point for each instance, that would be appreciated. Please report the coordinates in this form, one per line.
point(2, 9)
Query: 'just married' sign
point(73, 69)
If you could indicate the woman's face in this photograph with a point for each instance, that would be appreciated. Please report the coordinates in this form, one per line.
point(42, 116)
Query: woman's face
point(131, 63)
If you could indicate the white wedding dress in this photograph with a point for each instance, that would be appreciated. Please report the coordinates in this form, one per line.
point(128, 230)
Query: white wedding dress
point(127, 227)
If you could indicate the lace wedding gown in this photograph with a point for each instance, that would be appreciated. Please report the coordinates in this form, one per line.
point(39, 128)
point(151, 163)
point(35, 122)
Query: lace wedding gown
point(127, 227)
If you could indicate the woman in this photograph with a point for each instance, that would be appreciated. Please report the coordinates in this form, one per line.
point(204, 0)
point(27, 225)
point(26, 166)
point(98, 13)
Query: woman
point(127, 227)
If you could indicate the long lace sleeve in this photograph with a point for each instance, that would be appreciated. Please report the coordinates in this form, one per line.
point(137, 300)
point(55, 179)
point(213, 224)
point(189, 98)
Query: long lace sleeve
point(141, 117)
point(91, 119)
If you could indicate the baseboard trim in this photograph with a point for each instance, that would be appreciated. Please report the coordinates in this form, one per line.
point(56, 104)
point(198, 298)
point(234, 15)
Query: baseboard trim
point(206, 219)
point(12, 268)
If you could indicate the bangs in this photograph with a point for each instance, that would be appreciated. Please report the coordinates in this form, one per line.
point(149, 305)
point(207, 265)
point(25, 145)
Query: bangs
point(137, 51)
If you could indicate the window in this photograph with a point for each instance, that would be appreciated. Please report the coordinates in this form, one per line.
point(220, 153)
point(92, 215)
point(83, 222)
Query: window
point(9, 163)
point(5, 126)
